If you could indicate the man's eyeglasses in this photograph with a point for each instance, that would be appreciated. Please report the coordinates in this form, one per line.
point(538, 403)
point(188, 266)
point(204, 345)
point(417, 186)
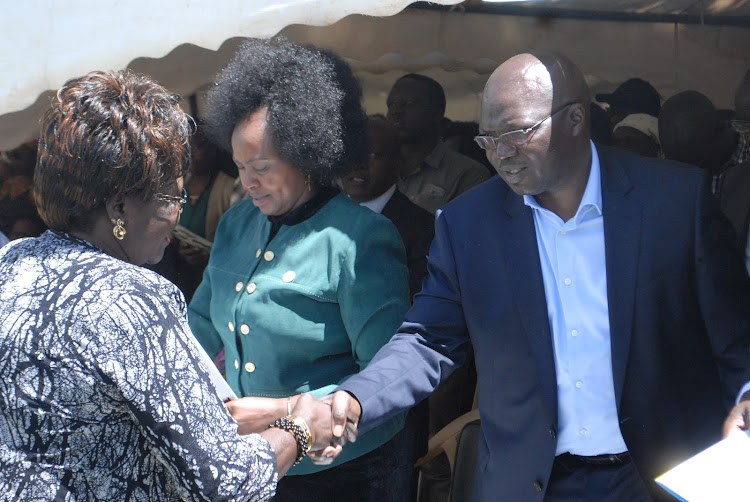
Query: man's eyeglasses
point(507, 144)
point(174, 199)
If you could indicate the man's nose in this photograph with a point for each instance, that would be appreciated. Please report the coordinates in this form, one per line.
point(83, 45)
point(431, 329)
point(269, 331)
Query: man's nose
point(504, 151)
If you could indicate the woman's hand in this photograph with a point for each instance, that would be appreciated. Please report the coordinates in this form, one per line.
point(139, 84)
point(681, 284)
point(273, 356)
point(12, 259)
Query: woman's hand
point(317, 416)
point(253, 414)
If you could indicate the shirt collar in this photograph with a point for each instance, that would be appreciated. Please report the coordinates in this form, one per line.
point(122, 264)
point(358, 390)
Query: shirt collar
point(436, 156)
point(592, 196)
point(378, 203)
point(304, 211)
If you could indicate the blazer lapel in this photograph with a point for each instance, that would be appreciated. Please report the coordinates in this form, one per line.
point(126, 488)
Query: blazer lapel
point(622, 213)
point(524, 273)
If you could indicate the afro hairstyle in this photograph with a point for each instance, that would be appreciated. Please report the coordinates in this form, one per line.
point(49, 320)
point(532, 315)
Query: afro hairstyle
point(315, 118)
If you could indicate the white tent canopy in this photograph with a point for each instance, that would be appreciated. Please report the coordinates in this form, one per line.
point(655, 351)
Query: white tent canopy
point(183, 43)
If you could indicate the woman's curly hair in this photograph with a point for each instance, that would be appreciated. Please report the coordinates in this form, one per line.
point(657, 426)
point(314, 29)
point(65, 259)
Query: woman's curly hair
point(315, 117)
point(107, 134)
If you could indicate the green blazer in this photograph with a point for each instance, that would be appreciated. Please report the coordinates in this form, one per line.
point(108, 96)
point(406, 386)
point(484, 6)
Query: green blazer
point(306, 310)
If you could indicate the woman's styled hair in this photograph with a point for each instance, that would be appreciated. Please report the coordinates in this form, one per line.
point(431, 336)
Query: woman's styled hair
point(107, 134)
point(315, 117)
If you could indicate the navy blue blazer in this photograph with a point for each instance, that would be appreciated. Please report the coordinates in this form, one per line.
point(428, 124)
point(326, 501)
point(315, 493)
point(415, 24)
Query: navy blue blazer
point(679, 308)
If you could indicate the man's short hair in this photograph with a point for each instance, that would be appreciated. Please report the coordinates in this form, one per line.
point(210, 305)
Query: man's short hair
point(435, 92)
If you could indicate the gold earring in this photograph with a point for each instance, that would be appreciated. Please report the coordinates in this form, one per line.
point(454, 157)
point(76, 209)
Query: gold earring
point(119, 230)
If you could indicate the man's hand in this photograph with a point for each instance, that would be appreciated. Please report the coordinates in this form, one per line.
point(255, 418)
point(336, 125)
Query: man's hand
point(345, 412)
point(739, 417)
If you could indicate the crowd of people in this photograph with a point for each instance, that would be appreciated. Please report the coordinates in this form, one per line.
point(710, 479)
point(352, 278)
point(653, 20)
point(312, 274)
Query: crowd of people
point(579, 274)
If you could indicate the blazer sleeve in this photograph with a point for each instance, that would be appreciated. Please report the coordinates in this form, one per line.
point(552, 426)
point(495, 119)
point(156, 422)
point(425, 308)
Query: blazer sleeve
point(723, 289)
point(430, 344)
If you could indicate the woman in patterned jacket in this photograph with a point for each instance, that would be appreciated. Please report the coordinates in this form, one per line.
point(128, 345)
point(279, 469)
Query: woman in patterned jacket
point(102, 394)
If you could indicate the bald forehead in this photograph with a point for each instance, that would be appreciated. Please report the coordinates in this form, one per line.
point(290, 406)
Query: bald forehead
point(517, 91)
point(530, 84)
point(523, 69)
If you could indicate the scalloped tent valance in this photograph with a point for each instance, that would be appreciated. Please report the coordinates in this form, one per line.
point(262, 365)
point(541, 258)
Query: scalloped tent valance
point(183, 43)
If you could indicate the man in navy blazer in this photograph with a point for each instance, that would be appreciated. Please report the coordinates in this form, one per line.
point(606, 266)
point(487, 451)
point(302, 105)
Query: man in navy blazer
point(608, 310)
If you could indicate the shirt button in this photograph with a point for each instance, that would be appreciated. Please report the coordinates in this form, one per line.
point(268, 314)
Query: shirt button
point(238, 287)
point(244, 329)
point(583, 432)
point(230, 325)
point(268, 255)
point(288, 276)
point(257, 253)
point(579, 384)
point(236, 364)
point(538, 486)
point(563, 232)
point(574, 332)
point(249, 367)
point(251, 288)
point(568, 281)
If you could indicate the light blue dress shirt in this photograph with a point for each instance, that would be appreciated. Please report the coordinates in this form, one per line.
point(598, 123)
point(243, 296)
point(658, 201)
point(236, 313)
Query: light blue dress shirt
point(575, 284)
point(3, 240)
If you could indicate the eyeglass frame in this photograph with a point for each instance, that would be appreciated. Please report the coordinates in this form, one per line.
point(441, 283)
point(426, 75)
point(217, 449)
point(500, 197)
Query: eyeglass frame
point(527, 132)
point(174, 199)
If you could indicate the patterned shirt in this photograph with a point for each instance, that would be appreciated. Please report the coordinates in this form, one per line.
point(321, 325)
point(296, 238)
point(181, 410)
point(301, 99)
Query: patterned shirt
point(102, 394)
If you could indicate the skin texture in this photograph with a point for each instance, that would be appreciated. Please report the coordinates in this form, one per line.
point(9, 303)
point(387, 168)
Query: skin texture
point(316, 415)
point(148, 227)
point(554, 165)
point(416, 120)
point(380, 171)
point(275, 186)
point(410, 111)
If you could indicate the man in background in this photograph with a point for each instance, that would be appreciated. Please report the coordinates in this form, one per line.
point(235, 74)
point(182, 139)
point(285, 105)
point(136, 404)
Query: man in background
point(432, 174)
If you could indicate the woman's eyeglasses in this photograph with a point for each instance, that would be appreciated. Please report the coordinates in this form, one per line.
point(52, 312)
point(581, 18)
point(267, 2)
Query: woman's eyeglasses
point(174, 199)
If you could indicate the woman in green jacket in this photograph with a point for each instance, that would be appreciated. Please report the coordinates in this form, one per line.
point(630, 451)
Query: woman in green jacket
point(303, 285)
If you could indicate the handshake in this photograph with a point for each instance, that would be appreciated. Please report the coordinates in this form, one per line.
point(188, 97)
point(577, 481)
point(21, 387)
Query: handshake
point(332, 420)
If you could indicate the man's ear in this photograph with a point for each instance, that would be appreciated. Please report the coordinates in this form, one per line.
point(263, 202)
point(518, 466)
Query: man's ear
point(577, 117)
point(115, 208)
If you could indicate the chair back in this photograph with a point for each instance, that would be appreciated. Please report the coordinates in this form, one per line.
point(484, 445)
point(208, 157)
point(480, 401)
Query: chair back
point(465, 464)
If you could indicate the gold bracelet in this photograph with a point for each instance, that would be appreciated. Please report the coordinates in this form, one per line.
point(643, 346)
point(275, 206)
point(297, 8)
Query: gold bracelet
point(296, 426)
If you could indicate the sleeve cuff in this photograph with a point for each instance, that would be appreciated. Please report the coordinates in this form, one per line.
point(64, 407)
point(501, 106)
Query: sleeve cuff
point(744, 389)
